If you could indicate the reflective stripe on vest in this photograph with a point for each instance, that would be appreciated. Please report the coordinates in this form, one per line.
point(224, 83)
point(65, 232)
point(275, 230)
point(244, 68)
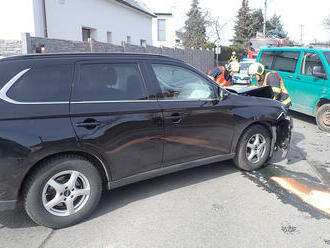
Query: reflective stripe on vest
point(277, 90)
point(287, 101)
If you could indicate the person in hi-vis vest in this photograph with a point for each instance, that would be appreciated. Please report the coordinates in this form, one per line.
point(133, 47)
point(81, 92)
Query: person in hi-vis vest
point(272, 79)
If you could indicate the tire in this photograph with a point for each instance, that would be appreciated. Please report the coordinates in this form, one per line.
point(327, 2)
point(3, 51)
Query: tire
point(323, 117)
point(50, 183)
point(248, 145)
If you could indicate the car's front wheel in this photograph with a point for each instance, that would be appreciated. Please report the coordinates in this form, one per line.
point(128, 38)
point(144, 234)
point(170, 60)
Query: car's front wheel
point(62, 191)
point(323, 117)
point(253, 148)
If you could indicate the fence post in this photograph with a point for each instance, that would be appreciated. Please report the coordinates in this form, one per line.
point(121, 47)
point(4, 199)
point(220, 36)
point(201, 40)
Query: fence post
point(26, 43)
point(91, 45)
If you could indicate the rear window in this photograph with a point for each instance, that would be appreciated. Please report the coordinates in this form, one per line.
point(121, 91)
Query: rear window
point(109, 82)
point(43, 84)
point(327, 56)
point(285, 61)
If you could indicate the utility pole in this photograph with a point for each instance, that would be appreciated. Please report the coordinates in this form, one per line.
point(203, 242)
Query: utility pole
point(301, 34)
point(265, 19)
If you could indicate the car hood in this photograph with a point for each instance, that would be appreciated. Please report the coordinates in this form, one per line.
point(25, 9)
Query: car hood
point(262, 92)
point(254, 96)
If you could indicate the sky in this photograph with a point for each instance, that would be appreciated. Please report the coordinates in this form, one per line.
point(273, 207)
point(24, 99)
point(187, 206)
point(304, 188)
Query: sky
point(294, 13)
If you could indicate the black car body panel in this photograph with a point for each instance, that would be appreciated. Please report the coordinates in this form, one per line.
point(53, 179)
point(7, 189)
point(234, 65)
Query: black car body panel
point(130, 140)
point(263, 91)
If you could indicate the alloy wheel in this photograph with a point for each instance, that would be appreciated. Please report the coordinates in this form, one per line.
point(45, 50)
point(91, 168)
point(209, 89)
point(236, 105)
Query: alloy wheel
point(66, 193)
point(256, 148)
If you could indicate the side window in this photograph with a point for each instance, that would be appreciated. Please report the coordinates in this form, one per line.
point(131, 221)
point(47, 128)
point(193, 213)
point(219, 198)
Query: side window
point(178, 83)
point(109, 82)
point(43, 84)
point(308, 62)
point(286, 61)
point(267, 59)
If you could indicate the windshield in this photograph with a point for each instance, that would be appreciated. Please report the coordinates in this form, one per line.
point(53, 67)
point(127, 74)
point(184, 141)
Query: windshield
point(256, 45)
point(244, 66)
point(327, 56)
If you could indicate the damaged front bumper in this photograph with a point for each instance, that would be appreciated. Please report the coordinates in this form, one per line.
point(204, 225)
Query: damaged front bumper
point(282, 134)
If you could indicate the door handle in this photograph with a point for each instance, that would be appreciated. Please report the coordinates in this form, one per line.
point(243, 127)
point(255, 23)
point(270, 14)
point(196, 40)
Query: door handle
point(299, 78)
point(290, 76)
point(176, 118)
point(88, 123)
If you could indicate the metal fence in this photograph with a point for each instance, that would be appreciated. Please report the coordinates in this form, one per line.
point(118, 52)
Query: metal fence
point(201, 59)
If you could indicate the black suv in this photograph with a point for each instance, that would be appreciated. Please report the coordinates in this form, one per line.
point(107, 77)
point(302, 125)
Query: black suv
point(73, 124)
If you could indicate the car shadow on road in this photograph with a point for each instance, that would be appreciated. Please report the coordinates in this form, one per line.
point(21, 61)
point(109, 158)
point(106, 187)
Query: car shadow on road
point(295, 153)
point(120, 197)
point(17, 218)
point(303, 117)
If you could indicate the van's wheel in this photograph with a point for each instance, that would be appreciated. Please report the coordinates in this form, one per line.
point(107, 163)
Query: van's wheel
point(253, 148)
point(62, 191)
point(323, 117)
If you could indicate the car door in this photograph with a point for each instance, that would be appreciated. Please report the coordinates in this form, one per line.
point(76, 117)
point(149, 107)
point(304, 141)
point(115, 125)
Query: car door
point(112, 113)
point(197, 125)
point(286, 65)
point(309, 88)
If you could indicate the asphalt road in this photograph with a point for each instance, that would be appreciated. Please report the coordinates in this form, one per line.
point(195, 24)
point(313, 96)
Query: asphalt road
point(286, 204)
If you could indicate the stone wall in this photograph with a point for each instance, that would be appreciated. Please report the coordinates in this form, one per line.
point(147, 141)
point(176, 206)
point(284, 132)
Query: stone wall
point(201, 59)
point(10, 47)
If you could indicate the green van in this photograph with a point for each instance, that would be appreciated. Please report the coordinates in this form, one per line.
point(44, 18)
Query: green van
point(305, 73)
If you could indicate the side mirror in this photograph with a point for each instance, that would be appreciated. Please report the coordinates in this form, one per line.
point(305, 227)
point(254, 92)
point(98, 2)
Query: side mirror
point(222, 94)
point(319, 72)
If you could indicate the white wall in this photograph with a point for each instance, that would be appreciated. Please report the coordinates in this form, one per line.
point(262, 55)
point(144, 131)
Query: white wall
point(170, 31)
point(16, 17)
point(65, 19)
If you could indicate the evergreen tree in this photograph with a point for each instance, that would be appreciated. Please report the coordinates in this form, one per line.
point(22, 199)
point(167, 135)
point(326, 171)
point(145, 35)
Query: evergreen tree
point(195, 28)
point(257, 20)
point(243, 24)
point(274, 27)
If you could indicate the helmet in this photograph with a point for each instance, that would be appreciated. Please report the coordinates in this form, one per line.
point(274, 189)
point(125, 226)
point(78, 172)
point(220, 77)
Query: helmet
point(233, 66)
point(233, 53)
point(256, 69)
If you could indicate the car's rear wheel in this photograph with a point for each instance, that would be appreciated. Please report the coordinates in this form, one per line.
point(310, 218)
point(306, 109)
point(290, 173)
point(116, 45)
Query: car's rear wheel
point(253, 148)
point(62, 191)
point(323, 117)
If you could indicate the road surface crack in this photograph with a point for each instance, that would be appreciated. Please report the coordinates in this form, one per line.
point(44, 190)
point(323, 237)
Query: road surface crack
point(42, 245)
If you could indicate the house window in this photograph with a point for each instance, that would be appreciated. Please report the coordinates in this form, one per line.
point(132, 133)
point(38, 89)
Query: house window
point(161, 29)
point(143, 43)
point(109, 37)
point(129, 39)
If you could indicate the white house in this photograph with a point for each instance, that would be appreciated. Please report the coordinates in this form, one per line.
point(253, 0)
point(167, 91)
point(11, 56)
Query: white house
point(164, 31)
point(103, 20)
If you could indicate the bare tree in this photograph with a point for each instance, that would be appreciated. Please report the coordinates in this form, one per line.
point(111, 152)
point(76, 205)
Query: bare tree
point(216, 27)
